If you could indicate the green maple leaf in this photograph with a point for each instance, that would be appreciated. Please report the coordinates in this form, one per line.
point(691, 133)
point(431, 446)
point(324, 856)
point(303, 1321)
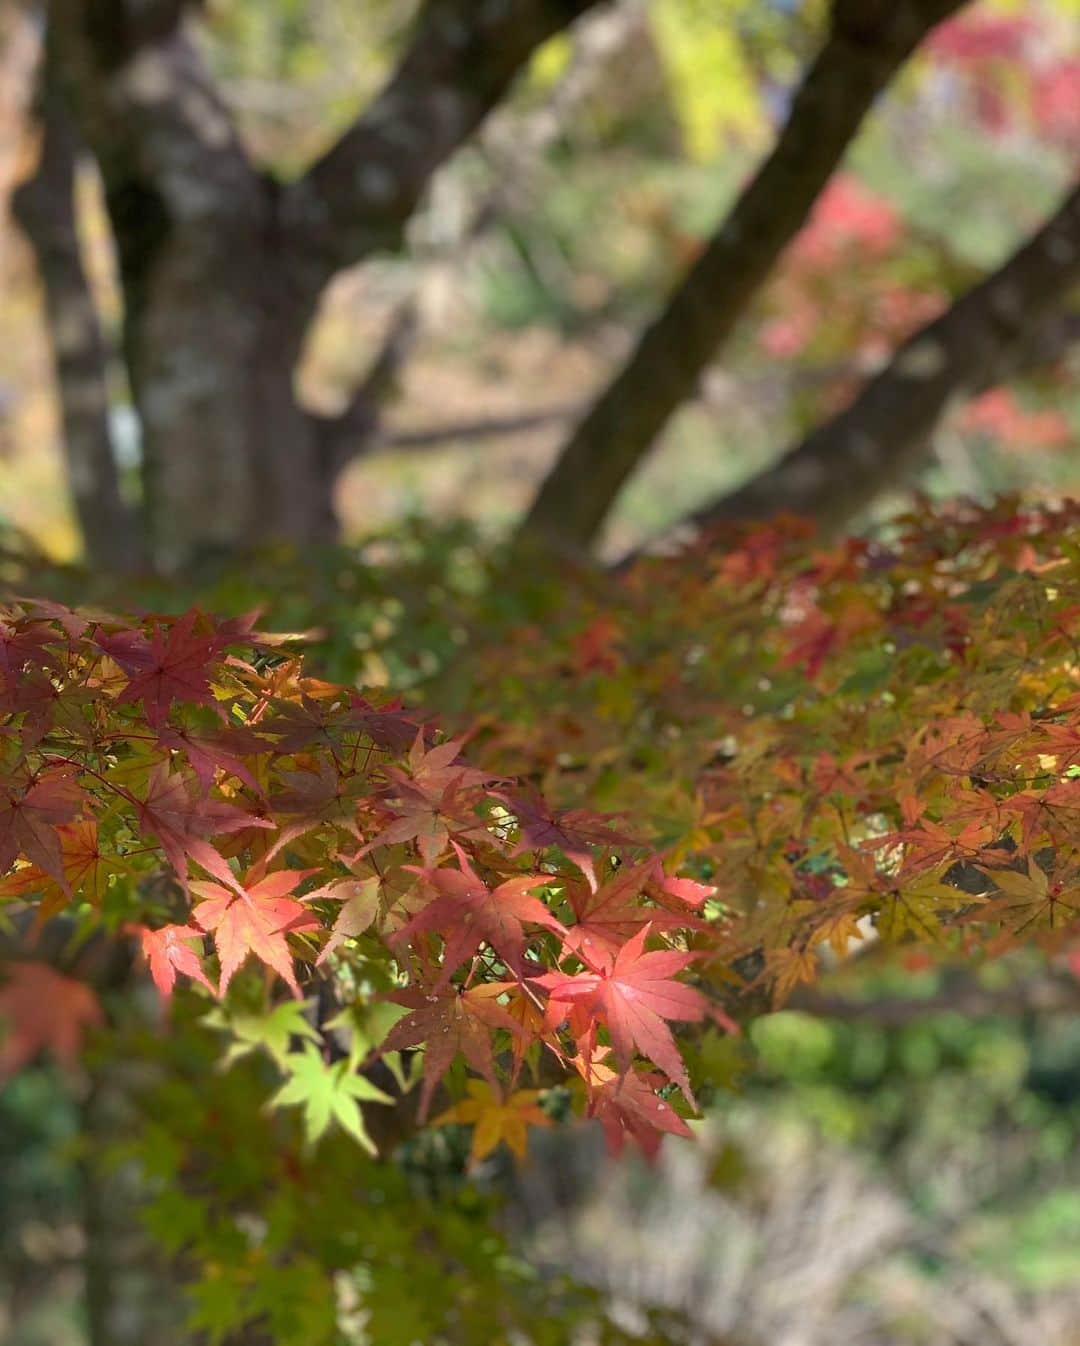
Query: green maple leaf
point(272, 1031)
point(328, 1093)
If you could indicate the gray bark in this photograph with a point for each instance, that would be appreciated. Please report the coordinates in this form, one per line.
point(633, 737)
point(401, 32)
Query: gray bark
point(45, 209)
point(222, 268)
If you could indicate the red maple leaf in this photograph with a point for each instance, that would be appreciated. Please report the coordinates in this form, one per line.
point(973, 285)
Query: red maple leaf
point(254, 920)
point(426, 798)
point(467, 913)
point(573, 832)
point(167, 667)
point(448, 1022)
point(168, 951)
point(607, 917)
point(30, 816)
point(633, 998)
point(45, 1011)
point(627, 1105)
point(182, 822)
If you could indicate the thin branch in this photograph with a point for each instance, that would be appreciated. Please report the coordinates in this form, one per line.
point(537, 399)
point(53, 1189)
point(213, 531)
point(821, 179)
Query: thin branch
point(491, 427)
point(868, 41)
point(344, 437)
point(463, 57)
point(1003, 327)
point(45, 208)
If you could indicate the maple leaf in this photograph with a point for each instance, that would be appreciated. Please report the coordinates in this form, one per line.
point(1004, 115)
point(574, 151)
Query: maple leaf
point(29, 819)
point(274, 1031)
point(497, 1119)
point(915, 907)
point(328, 1093)
point(688, 891)
point(428, 798)
point(321, 795)
point(788, 967)
point(182, 823)
point(254, 920)
point(1032, 899)
point(85, 869)
point(572, 832)
point(466, 913)
point(1063, 740)
point(46, 1012)
point(359, 900)
point(447, 1023)
point(384, 725)
point(300, 724)
point(25, 643)
point(626, 1104)
point(1053, 814)
point(607, 917)
point(168, 951)
point(207, 754)
point(633, 997)
point(166, 667)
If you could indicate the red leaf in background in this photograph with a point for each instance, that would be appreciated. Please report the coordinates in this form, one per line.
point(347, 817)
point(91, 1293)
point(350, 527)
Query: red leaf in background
point(29, 819)
point(168, 952)
point(254, 920)
point(46, 1012)
point(466, 913)
point(633, 998)
point(596, 648)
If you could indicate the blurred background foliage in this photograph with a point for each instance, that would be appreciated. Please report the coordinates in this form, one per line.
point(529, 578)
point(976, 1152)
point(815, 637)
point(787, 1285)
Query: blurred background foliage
point(546, 243)
point(907, 1182)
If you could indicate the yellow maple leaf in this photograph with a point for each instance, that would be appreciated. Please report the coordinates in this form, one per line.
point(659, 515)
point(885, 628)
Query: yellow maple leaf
point(496, 1119)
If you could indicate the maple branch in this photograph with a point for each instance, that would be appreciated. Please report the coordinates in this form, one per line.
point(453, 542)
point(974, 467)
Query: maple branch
point(868, 41)
point(491, 427)
point(346, 436)
point(463, 57)
point(1010, 320)
point(512, 143)
point(45, 209)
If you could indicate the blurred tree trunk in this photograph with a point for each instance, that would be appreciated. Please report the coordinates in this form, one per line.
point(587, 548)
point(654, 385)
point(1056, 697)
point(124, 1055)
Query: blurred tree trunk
point(222, 267)
point(45, 209)
point(867, 43)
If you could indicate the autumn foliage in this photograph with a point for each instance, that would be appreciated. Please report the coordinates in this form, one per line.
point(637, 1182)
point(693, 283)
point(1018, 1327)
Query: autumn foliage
point(826, 753)
point(184, 782)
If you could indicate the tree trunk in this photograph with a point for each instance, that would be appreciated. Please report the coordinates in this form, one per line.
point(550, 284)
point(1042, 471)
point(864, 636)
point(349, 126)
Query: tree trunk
point(212, 341)
point(217, 295)
point(221, 267)
point(45, 210)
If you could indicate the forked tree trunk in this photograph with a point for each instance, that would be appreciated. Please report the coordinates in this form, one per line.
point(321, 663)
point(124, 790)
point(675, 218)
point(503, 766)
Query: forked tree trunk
point(222, 267)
